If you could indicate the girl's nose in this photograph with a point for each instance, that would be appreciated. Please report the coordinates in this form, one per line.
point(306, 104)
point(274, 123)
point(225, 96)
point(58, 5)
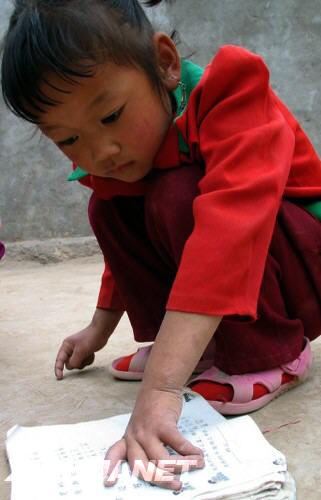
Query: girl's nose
point(104, 151)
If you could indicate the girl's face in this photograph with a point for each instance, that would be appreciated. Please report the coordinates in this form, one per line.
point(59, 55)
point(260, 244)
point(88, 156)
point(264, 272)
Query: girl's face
point(111, 124)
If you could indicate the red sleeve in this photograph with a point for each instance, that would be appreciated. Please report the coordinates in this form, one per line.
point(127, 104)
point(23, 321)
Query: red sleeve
point(108, 297)
point(247, 147)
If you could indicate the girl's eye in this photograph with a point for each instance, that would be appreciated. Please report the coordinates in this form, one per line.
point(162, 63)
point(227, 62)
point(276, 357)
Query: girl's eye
point(113, 117)
point(68, 142)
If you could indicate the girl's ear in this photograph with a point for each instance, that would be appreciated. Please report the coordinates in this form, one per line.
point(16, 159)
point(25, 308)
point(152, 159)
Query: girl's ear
point(168, 60)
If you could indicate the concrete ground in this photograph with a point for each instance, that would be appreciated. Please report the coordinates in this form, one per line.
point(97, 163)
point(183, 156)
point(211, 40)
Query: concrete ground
point(40, 305)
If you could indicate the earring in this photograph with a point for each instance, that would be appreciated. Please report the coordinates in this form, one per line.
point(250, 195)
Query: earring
point(181, 93)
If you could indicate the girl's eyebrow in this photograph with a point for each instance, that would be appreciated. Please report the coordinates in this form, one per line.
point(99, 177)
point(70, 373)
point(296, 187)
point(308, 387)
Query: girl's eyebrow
point(49, 128)
point(106, 95)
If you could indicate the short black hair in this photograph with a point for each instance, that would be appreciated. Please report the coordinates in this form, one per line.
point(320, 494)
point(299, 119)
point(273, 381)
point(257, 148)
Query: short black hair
point(70, 38)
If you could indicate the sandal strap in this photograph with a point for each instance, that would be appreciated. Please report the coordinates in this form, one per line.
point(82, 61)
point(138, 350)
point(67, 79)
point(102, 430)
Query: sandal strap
point(302, 364)
point(139, 359)
point(243, 384)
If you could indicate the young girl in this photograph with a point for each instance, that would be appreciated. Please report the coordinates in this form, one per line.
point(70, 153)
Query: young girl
point(203, 187)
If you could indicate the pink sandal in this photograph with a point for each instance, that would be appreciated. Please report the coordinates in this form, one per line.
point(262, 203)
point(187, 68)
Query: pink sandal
point(136, 364)
point(132, 367)
point(242, 385)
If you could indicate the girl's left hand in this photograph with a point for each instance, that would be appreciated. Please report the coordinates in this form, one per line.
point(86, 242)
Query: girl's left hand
point(153, 425)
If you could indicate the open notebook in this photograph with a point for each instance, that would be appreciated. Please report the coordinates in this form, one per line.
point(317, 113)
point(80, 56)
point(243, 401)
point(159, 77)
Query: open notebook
point(65, 462)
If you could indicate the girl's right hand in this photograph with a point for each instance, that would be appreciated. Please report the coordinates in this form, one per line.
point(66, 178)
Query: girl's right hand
point(77, 351)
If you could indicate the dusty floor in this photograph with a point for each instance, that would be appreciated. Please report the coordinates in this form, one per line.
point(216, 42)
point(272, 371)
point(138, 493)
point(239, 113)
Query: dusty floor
point(40, 305)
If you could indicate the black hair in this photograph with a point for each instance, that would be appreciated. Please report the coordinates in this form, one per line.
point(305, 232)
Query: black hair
point(70, 38)
point(152, 3)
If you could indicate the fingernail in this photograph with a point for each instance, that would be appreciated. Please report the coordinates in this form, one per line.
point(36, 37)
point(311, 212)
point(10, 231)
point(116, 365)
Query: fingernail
point(177, 485)
point(108, 481)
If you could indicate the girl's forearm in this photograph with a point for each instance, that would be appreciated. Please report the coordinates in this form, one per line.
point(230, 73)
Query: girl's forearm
point(106, 320)
point(179, 345)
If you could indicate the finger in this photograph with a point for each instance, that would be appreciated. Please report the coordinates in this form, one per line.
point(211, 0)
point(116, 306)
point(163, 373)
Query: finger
point(88, 361)
point(182, 463)
point(173, 438)
point(77, 359)
point(176, 463)
point(62, 358)
point(156, 452)
point(113, 460)
point(147, 470)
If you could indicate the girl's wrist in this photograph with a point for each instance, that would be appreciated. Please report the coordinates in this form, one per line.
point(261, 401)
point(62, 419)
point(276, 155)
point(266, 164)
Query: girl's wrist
point(105, 321)
point(160, 382)
point(158, 377)
point(178, 347)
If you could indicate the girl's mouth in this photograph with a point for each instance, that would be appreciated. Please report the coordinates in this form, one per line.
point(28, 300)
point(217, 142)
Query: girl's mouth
point(122, 167)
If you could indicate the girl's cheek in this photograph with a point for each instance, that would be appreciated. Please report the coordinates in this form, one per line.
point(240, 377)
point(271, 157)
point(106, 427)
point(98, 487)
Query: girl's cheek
point(67, 155)
point(149, 133)
point(72, 156)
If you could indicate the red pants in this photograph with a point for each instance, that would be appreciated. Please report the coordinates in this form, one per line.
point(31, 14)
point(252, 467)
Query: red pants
point(143, 238)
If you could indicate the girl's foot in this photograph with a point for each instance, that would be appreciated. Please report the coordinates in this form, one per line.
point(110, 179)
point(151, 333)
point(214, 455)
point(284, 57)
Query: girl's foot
point(132, 367)
point(238, 394)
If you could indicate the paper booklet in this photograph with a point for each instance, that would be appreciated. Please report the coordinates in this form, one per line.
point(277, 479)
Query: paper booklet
point(65, 462)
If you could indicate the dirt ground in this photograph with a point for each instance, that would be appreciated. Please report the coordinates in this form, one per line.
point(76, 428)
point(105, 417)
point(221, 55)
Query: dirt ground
point(41, 304)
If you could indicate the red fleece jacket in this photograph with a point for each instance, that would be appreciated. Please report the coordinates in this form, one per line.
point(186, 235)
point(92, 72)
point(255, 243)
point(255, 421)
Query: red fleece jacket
point(254, 153)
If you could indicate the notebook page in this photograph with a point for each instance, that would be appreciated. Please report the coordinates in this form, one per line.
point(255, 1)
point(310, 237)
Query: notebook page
point(66, 461)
